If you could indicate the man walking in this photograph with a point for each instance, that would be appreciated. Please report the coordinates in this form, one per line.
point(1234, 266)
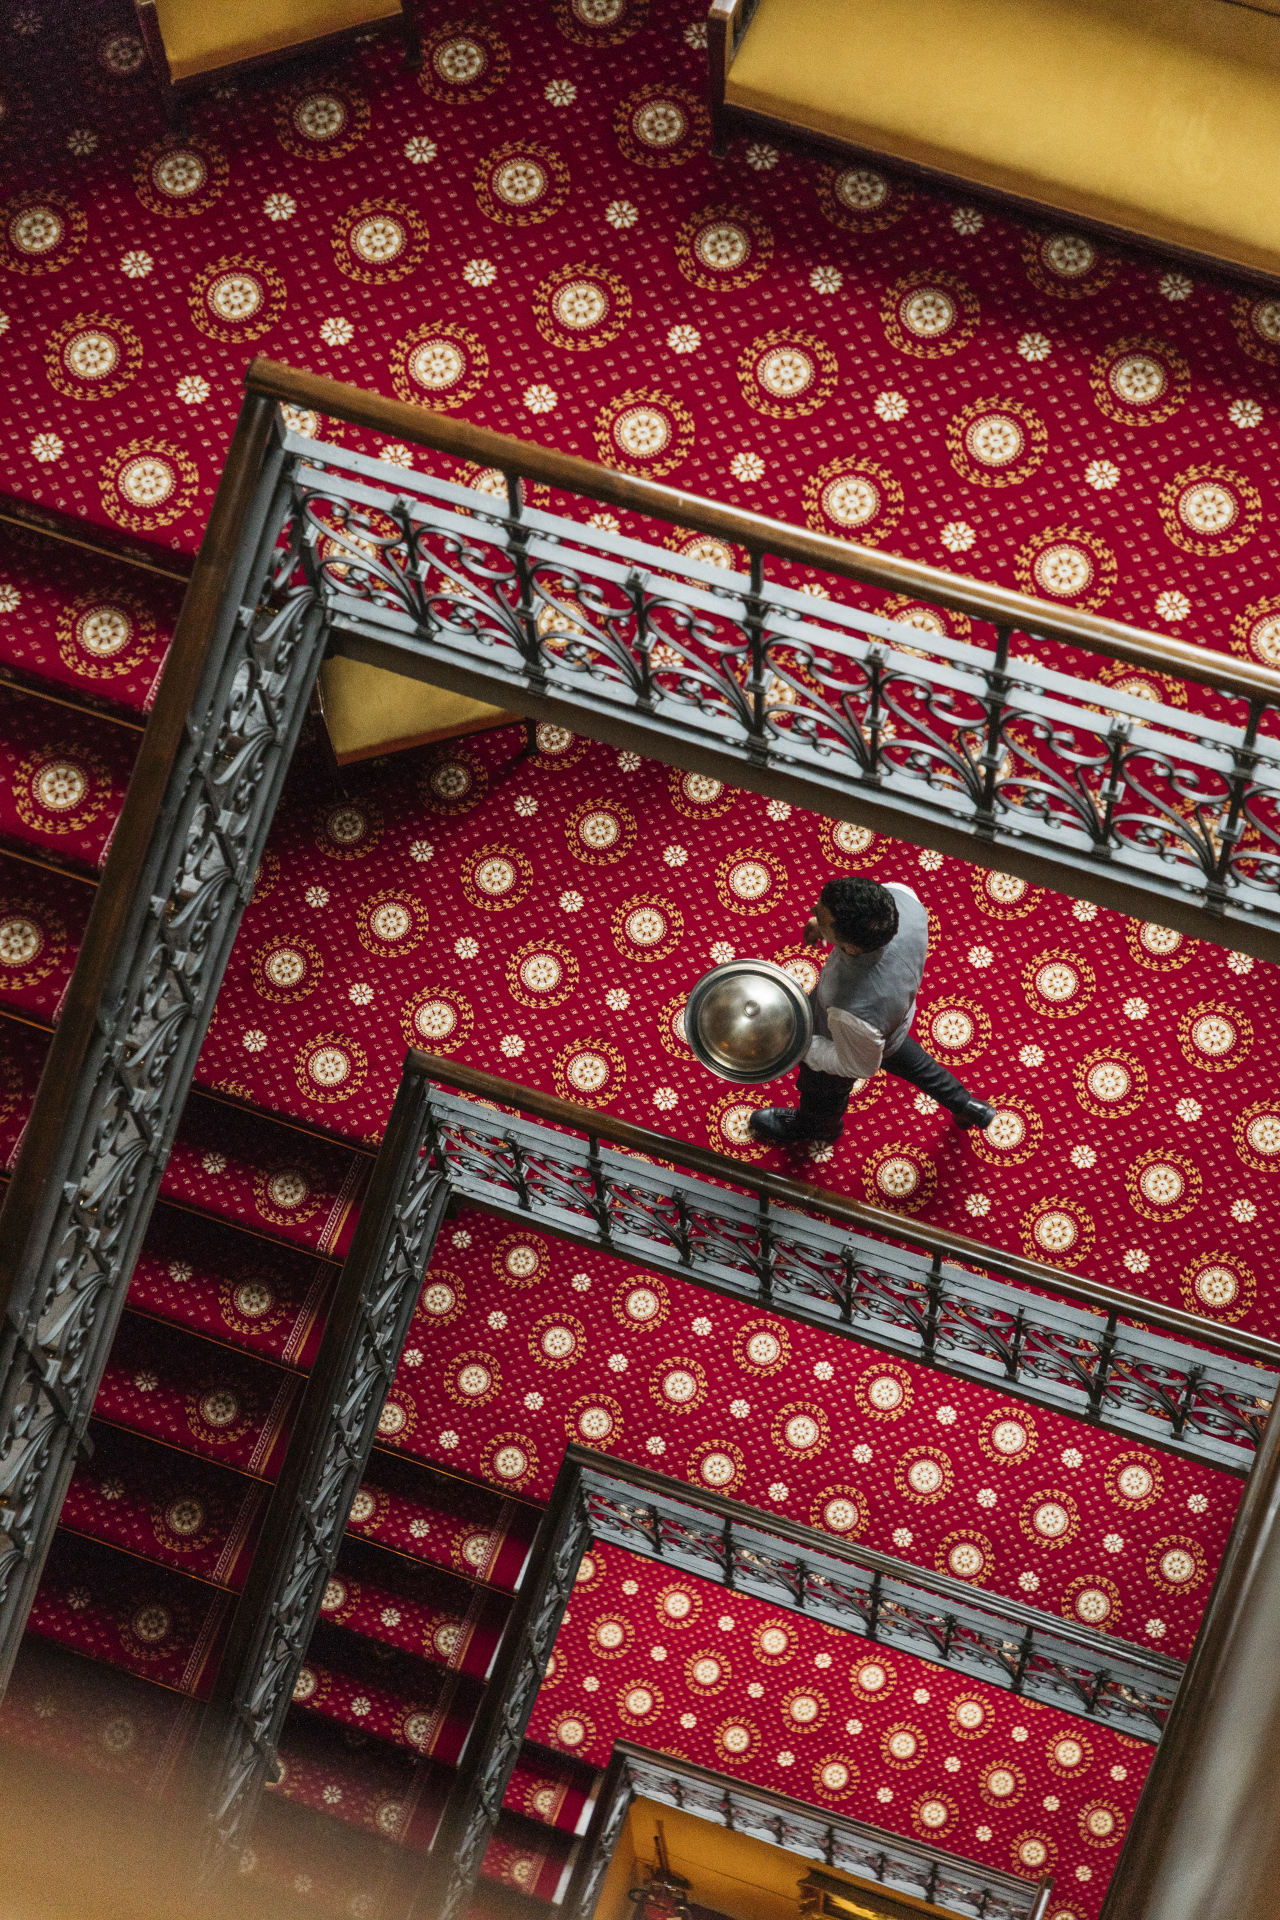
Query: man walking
point(863, 1007)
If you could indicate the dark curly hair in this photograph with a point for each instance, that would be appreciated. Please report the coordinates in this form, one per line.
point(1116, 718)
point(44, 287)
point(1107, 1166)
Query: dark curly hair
point(863, 910)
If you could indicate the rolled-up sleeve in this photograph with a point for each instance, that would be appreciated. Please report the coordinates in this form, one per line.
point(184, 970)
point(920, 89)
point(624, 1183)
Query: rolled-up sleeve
point(854, 1051)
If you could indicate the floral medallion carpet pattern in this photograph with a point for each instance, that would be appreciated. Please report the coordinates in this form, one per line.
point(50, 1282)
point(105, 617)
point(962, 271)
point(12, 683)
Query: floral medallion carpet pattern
point(532, 232)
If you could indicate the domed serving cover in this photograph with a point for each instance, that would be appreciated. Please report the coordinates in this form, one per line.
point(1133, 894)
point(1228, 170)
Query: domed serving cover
point(748, 1020)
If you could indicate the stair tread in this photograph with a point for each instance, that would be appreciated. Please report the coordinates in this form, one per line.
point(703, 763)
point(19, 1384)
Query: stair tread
point(83, 623)
point(63, 777)
point(42, 921)
point(172, 1508)
point(23, 1051)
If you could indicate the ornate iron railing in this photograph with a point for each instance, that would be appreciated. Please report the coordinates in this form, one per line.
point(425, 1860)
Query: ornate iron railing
point(980, 747)
point(883, 1859)
point(984, 1636)
point(179, 873)
point(332, 1439)
point(493, 1744)
point(800, 1258)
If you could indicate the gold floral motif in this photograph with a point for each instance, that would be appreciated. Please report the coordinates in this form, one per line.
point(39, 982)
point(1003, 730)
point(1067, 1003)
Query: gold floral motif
point(454, 781)
point(1220, 1286)
point(594, 1420)
point(1067, 265)
point(855, 499)
point(1013, 1137)
point(511, 1461)
point(885, 1391)
point(671, 1034)
point(33, 941)
point(678, 1384)
point(92, 357)
point(996, 442)
point(57, 790)
point(522, 1260)
point(40, 232)
point(661, 126)
point(800, 1429)
point(148, 484)
point(929, 314)
point(288, 1192)
point(590, 1073)
point(1110, 1084)
point(1049, 1519)
point(1256, 319)
point(1067, 563)
point(841, 1509)
point(723, 247)
point(762, 1347)
point(439, 365)
point(1140, 381)
point(379, 241)
point(391, 923)
point(473, 1378)
point(463, 62)
point(955, 1030)
point(347, 829)
point(923, 1476)
point(787, 374)
point(1214, 1037)
point(266, 879)
point(1008, 1436)
point(330, 1067)
point(1162, 1185)
point(644, 431)
point(601, 833)
point(104, 633)
point(1160, 949)
point(1256, 1135)
point(1255, 633)
point(899, 1178)
point(718, 1465)
point(286, 970)
point(1058, 984)
point(599, 23)
point(750, 882)
point(1178, 1563)
point(861, 199)
point(700, 796)
point(642, 1303)
point(557, 1340)
point(542, 974)
point(321, 119)
point(1101, 1824)
point(521, 184)
point(496, 877)
point(1209, 510)
point(582, 306)
point(178, 179)
point(236, 299)
point(728, 1124)
point(1057, 1231)
point(646, 927)
point(903, 1745)
point(249, 1303)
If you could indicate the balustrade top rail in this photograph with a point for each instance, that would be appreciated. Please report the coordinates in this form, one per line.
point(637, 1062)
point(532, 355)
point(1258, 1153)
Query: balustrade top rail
point(757, 533)
point(775, 1187)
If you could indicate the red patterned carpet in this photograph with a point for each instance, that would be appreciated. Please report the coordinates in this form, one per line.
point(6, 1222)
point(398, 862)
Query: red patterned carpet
point(546, 922)
point(789, 1703)
point(522, 1343)
point(534, 233)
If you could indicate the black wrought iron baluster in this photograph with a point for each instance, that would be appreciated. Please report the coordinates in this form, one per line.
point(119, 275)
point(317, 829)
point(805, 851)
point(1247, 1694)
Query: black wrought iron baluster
point(948, 1634)
point(519, 1164)
point(526, 609)
point(802, 1586)
point(730, 1824)
point(996, 702)
point(1117, 741)
point(873, 1608)
point(767, 1255)
point(655, 1530)
point(684, 1238)
point(931, 1884)
point(753, 627)
point(1245, 759)
point(829, 1846)
point(1186, 1401)
point(1106, 1352)
point(847, 1264)
point(1013, 1360)
point(599, 1189)
point(728, 1553)
point(1025, 1650)
point(634, 588)
point(933, 1314)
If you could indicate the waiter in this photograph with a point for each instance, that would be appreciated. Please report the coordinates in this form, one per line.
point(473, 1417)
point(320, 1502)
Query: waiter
point(863, 1007)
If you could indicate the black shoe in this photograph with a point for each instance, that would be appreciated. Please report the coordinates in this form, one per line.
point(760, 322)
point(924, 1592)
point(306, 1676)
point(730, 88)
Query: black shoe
point(974, 1113)
point(781, 1127)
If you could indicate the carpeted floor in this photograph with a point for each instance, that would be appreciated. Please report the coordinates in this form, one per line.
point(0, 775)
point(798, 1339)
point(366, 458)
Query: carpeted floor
point(533, 232)
point(789, 1703)
point(548, 923)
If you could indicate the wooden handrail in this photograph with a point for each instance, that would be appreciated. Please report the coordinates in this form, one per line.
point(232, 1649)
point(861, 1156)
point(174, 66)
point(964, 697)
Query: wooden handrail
point(998, 606)
point(786, 1192)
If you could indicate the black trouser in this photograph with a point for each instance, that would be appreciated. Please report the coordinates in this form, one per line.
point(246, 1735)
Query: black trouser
point(824, 1096)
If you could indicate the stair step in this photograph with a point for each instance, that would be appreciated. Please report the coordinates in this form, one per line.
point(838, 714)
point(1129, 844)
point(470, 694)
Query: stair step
point(165, 1506)
point(384, 1789)
point(23, 1051)
point(429, 1712)
point(420, 1610)
point(197, 1397)
point(448, 1523)
point(217, 1280)
point(545, 1786)
point(285, 1185)
point(87, 625)
point(42, 923)
point(64, 1706)
point(147, 1620)
point(63, 776)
